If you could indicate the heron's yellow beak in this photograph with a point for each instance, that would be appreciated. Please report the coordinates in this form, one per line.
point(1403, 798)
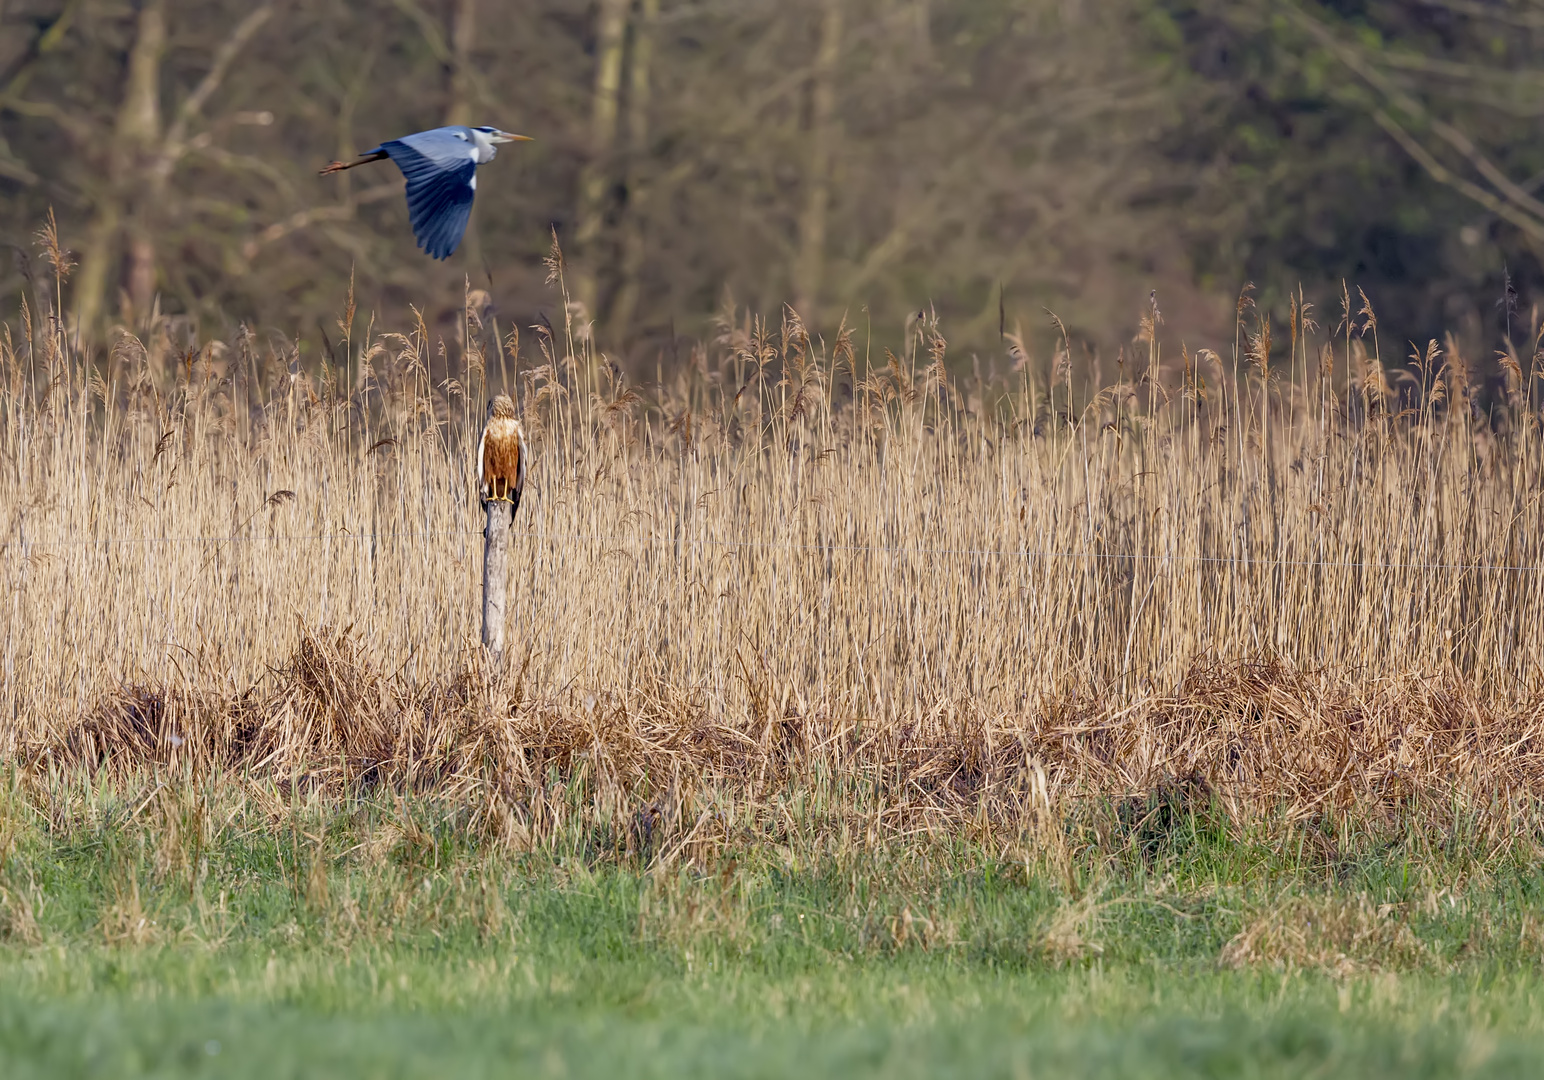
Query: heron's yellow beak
point(505, 136)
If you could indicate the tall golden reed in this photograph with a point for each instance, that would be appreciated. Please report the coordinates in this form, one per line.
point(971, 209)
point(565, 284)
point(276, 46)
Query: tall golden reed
point(1278, 571)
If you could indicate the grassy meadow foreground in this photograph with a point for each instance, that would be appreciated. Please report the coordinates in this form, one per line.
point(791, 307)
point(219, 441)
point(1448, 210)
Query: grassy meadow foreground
point(858, 718)
point(362, 941)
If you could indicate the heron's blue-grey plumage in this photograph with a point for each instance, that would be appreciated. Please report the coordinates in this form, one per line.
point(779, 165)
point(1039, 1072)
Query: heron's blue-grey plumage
point(440, 167)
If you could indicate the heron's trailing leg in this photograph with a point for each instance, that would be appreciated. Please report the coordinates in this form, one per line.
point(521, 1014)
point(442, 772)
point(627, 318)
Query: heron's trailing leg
point(339, 166)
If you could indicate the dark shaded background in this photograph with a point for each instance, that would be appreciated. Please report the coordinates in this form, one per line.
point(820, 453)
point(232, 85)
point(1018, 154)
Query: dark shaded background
point(858, 158)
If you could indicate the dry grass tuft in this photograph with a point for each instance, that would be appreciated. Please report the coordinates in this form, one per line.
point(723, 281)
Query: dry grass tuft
point(1071, 933)
point(18, 918)
point(1336, 935)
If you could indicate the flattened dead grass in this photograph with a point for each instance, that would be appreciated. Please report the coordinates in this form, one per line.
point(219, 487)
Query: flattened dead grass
point(1336, 935)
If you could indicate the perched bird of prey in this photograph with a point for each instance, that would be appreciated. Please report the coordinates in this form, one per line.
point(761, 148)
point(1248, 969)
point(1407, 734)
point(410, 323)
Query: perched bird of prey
point(441, 170)
point(501, 454)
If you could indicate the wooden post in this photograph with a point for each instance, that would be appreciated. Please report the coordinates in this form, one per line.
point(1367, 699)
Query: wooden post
point(495, 575)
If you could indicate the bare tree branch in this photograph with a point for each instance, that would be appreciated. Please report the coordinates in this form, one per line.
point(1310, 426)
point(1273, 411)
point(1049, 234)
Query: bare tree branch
point(175, 143)
point(302, 219)
point(79, 125)
point(429, 28)
point(15, 170)
point(1406, 103)
point(1529, 20)
point(434, 37)
point(21, 69)
point(1440, 173)
point(1453, 69)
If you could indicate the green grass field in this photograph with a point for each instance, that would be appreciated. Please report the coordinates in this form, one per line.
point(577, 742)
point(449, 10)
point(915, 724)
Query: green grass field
point(562, 1013)
point(379, 940)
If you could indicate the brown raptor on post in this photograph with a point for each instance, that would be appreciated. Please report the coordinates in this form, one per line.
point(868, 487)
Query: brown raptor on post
point(501, 454)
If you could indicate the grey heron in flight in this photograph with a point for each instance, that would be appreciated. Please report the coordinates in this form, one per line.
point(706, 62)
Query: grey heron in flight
point(440, 167)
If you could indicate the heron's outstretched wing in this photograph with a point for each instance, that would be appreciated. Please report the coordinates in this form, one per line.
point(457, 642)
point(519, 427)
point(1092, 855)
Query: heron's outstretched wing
point(441, 173)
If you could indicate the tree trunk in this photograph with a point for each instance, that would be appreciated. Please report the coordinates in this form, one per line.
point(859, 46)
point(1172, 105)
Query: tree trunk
point(124, 198)
point(634, 242)
point(922, 28)
point(139, 134)
point(817, 190)
point(593, 181)
point(96, 263)
point(139, 275)
point(463, 36)
point(495, 575)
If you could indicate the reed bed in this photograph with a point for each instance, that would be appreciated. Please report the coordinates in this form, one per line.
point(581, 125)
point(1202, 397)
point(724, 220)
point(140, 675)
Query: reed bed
point(1276, 576)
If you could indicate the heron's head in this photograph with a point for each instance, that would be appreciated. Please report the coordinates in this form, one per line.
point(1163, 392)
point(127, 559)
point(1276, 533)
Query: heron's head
point(501, 408)
point(496, 136)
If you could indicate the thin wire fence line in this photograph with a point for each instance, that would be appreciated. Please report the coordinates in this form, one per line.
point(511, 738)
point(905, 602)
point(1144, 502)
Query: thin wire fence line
point(1020, 553)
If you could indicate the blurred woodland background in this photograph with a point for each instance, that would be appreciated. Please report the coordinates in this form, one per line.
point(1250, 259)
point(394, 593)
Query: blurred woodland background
point(857, 158)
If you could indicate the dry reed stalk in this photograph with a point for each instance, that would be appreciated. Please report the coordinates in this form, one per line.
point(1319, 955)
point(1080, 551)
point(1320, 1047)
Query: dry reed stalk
point(747, 580)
